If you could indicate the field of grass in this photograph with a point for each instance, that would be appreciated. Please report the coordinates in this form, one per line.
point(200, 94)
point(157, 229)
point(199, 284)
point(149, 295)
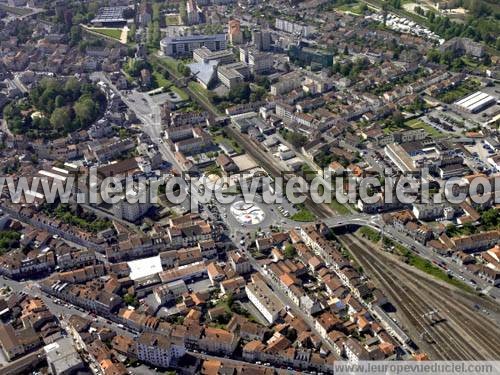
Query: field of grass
point(160, 80)
point(371, 234)
point(202, 95)
point(418, 124)
point(170, 64)
point(339, 207)
point(304, 215)
point(426, 266)
point(182, 94)
point(351, 8)
point(112, 33)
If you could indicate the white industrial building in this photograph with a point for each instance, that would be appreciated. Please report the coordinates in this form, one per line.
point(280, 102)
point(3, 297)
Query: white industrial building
point(476, 102)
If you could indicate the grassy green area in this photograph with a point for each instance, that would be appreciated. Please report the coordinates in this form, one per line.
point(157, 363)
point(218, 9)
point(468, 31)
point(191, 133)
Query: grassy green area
point(182, 94)
point(112, 33)
point(419, 124)
point(339, 207)
point(426, 266)
point(220, 138)
point(203, 95)
point(351, 8)
point(14, 10)
point(9, 240)
point(463, 89)
point(171, 64)
point(84, 220)
point(304, 215)
point(371, 234)
point(160, 80)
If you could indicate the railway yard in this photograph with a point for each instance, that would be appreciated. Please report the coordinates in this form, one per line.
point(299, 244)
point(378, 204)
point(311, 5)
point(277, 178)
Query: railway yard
point(446, 322)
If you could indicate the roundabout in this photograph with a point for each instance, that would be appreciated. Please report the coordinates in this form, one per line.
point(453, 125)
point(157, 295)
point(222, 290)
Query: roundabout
point(247, 213)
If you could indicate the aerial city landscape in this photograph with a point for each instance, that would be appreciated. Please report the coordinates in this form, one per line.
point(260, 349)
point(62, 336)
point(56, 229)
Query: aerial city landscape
point(249, 187)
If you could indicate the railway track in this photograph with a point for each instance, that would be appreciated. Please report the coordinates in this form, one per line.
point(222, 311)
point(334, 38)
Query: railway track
point(253, 149)
point(459, 336)
point(322, 211)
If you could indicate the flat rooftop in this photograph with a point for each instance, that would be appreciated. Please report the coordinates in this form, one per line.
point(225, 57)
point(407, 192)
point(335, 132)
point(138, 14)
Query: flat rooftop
point(145, 267)
point(193, 38)
point(110, 15)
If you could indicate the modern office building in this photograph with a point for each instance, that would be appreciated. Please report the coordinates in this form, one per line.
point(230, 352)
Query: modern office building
point(294, 27)
point(205, 55)
point(260, 62)
point(232, 74)
point(185, 45)
point(192, 12)
point(110, 17)
point(310, 57)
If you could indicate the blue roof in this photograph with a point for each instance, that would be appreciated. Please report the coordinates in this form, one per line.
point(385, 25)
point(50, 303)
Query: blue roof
point(205, 71)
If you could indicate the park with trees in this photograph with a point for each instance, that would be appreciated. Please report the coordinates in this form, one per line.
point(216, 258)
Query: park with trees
point(54, 108)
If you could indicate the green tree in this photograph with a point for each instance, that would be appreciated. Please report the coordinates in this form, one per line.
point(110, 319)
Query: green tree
point(59, 101)
point(75, 35)
point(398, 119)
point(240, 92)
point(490, 218)
point(290, 251)
point(85, 110)
point(72, 88)
point(60, 118)
point(130, 300)
point(296, 139)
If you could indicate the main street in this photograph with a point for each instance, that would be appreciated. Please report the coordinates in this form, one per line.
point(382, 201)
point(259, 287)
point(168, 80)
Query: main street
point(148, 112)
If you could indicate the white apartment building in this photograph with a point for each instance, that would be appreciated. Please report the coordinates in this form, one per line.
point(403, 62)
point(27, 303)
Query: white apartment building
point(158, 349)
point(264, 300)
point(232, 74)
point(286, 84)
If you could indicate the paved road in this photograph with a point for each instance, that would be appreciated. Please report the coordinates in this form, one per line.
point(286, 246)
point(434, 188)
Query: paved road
point(148, 112)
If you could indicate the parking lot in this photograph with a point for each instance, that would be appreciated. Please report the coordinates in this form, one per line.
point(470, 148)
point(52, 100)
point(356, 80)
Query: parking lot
point(478, 159)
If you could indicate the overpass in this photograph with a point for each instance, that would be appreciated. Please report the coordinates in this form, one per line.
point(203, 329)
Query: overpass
point(372, 221)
